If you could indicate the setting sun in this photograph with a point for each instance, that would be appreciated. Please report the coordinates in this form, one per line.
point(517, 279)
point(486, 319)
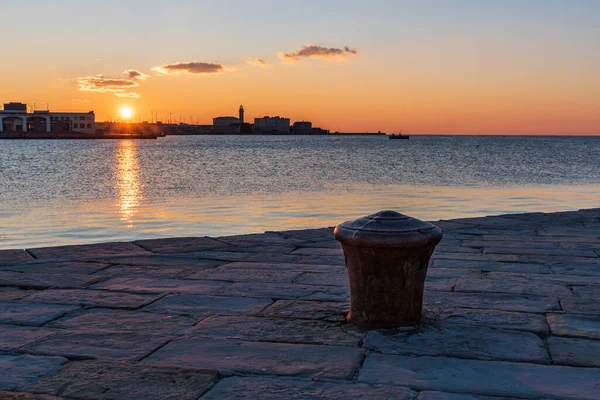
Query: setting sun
point(126, 113)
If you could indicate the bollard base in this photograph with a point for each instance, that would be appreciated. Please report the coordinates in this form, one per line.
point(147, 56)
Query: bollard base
point(386, 286)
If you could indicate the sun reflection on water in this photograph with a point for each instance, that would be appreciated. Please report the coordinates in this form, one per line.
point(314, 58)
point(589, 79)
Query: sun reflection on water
point(127, 181)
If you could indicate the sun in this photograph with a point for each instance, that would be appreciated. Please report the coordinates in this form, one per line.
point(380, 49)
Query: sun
point(126, 112)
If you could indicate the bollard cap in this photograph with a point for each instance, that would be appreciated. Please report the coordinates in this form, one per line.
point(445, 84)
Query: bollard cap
point(388, 229)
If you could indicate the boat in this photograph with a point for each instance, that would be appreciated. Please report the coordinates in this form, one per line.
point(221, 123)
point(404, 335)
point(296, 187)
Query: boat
point(398, 136)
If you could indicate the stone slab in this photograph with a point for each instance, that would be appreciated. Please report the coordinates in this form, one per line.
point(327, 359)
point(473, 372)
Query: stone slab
point(160, 261)
point(591, 292)
point(492, 301)
point(288, 291)
point(328, 260)
point(12, 293)
point(317, 251)
point(131, 271)
point(491, 378)
point(493, 266)
point(259, 247)
point(476, 257)
point(65, 267)
point(279, 389)
point(455, 248)
point(577, 305)
point(575, 352)
point(240, 256)
point(277, 330)
point(78, 345)
point(479, 244)
point(230, 274)
point(429, 395)
point(309, 310)
point(94, 298)
point(14, 257)
point(31, 314)
point(510, 286)
point(527, 322)
point(301, 360)
point(202, 306)
point(87, 251)
point(328, 279)
point(260, 239)
point(461, 342)
point(124, 321)
point(572, 325)
point(38, 280)
point(18, 370)
point(568, 280)
point(434, 274)
point(312, 235)
point(284, 266)
point(180, 245)
point(538, 251)
point(26, 396)
point(90, 380)
point(589, 269)
point(161, 285)
point(12, 337)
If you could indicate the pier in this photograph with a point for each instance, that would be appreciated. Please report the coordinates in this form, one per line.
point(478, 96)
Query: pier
point(510, 310)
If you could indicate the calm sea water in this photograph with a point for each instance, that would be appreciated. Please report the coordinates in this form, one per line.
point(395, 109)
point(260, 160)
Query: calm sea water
point(70, 192)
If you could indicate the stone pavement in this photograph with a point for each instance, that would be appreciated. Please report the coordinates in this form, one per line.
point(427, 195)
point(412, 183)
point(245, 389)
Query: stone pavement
point(511, 309)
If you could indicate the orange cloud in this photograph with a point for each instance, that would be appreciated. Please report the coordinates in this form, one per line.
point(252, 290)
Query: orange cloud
point(192, 67)
point(118, 86)
point(135, 74)
point(257, 62)
point(313, 51)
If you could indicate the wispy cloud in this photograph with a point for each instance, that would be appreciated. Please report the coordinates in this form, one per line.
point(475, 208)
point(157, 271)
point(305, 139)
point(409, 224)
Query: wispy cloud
point(82, 100)
point(314, 51)
point(131, 95)
point(98, 83)
point(259, 62)
point(192, 67)
point(135, 74)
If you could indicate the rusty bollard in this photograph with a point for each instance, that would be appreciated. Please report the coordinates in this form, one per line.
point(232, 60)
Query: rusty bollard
point(387, 255)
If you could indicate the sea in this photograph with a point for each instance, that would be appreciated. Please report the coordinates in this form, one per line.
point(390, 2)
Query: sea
point(62, 192)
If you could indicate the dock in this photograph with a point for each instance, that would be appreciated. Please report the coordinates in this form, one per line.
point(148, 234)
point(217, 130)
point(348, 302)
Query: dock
point(511, 311)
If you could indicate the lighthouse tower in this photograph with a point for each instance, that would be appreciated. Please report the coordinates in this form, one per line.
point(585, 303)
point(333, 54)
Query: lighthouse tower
point(241, 114)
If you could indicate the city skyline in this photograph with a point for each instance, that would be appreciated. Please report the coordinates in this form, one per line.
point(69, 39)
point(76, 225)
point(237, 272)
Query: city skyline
point(466, 68)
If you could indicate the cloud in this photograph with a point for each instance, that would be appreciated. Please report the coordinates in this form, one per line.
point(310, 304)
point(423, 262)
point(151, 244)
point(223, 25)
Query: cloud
point(132, 95)
point(98, 83)
point(134, 74)
point(82, 100)
point(192, 67)
point(311, 50)
point(257, 62)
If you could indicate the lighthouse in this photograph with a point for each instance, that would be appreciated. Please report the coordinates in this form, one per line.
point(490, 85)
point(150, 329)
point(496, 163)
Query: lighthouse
point(241, 114)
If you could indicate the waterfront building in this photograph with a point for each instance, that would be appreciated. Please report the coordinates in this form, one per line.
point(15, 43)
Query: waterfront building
point(302, 128)
point(241, 115)
point(226, 125)
point(16, 118)
point(272, 125)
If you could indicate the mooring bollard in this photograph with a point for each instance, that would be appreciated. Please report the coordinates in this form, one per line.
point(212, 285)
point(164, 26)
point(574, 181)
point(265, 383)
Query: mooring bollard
point(387, 255)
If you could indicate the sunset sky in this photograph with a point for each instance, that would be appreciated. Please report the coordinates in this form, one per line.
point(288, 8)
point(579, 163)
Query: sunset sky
point(490, 67)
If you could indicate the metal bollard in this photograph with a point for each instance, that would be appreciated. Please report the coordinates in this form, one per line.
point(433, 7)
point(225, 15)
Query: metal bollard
point(387, 255)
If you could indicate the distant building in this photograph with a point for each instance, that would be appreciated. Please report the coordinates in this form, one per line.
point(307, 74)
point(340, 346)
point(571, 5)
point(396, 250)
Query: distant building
point(272, 125)
point(226, 125)
point(241, 115)
point(302, 128)
point(16, 118)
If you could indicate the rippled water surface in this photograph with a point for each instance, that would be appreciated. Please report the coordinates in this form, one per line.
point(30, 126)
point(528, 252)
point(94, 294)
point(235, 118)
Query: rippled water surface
point(68, 192)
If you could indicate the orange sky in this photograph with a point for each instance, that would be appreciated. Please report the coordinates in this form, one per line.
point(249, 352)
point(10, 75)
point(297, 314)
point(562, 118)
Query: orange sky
point(520, 69)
